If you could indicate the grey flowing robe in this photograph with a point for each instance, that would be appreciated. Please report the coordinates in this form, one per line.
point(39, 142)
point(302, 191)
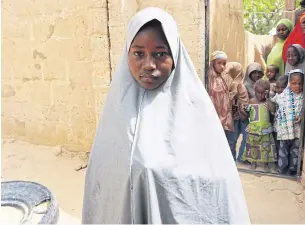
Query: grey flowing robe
point(161, 156)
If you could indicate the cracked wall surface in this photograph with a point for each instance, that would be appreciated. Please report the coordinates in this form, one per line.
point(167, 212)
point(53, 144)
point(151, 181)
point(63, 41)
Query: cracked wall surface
point(58, 58)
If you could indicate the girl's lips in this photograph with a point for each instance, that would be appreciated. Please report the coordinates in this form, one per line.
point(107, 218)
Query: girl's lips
point(147, 79)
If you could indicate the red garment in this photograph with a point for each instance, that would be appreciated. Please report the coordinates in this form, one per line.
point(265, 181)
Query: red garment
point(296, 36)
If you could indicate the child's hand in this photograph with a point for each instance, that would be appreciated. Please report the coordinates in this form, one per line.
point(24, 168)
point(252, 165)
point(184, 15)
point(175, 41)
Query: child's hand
point(297, 120)
point(267, 93)
point(243, 114)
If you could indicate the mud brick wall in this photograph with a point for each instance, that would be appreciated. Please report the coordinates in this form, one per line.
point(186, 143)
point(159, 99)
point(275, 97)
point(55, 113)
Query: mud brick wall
point(58, 58)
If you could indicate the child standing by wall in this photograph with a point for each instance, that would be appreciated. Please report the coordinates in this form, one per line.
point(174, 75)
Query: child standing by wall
point(280, 85)
point(254, 72)
point(290, 106)
point(218, 89)
point(272, 73)
point(235, 71)
point(260, 145)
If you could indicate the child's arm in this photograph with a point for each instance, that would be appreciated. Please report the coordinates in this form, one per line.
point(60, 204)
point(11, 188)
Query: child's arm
point(243, 114)
point(271, 105)
point(298, 118)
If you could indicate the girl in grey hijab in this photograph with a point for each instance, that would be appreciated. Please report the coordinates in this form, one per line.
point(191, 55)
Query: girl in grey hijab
point(160, 154)
point(254, 72)
point(295, 58)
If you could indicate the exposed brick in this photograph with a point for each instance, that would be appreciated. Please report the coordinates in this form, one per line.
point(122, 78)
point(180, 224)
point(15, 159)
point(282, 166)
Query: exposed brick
point(81, 75)
point(13, 27)
point(38, 132)
point(97, 3)
point(13, 109)
point(101, 74)
point(40, 92)
point(55, 69)
point(36, 112)
point(100, 97)
point(14, 127)
point(100, 49)
point(74, 25)
point(70, 49)
point(43, 29)
point(58, 114)
point(66, 95)
point(97, 22)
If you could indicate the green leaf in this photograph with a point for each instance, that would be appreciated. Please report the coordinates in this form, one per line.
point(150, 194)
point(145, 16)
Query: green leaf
point(260, 16)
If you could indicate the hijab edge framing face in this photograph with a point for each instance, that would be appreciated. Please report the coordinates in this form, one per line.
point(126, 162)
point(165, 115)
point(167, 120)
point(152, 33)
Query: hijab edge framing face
point(288, 24)
point(218, 62)
point(300, 51)
point(149, 58)
point(252, 67)
point(291, 75)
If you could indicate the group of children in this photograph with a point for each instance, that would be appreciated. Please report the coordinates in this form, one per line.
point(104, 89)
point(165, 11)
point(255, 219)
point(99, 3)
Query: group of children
point(264, 106)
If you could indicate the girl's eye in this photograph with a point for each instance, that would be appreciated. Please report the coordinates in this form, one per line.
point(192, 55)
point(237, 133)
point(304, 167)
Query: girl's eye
point(161, 54)
point(138, 54)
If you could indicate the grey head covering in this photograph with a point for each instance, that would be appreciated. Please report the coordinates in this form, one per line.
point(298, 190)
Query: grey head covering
point(161, 156)
point(301, 62)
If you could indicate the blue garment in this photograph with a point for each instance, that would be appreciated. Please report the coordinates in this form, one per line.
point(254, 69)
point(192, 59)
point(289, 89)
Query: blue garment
point(240, 128)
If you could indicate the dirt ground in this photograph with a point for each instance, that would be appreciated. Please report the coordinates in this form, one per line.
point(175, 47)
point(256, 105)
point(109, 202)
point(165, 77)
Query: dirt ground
point(269, 199)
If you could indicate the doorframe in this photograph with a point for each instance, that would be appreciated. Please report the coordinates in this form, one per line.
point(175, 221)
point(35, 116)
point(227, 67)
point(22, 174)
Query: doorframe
point(207, 42)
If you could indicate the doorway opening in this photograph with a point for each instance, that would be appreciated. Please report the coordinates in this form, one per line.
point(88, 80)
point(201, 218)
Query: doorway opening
point(252, 36)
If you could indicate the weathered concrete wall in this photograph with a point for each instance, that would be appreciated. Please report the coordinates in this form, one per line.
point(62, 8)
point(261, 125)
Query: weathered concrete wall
point(227, 31)
point(254, 45)
point(57, 57)
point(55, 70)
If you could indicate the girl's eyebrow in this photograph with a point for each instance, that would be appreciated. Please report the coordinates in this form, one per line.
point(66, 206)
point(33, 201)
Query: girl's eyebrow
point(161, 47)
point(137, 46)
point(158, 47)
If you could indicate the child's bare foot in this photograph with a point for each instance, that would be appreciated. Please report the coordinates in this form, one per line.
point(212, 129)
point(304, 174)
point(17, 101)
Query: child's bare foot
point(266, 168)
point(253, 165)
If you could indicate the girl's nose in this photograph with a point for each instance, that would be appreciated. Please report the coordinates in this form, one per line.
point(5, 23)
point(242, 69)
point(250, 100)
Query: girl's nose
point(149, 64)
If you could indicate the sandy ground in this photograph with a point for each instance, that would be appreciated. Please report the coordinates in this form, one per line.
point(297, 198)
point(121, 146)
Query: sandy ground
point(269, 199)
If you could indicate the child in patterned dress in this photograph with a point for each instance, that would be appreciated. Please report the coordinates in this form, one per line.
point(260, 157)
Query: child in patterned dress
point(260, 145)
point(290, 107)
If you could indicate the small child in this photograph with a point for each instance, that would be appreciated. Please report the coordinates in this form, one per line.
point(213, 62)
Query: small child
point(218, 89)
point(254, 72)
point(290, 106)
point(281, 84)
point(295, 58)
point(260, 145)
point(272, 73)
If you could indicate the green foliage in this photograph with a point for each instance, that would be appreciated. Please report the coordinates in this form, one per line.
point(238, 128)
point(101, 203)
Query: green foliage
point(260, 16)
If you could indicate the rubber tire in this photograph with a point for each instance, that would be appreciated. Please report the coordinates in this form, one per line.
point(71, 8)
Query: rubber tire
point(26, 195)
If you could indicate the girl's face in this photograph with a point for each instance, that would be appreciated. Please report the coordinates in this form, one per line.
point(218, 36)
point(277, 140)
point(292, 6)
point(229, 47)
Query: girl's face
point(255, 75)
point(279, 87)
point(149, 58)
point(260, 93)
point(282, 31)
point(296, 83)
point(292, 56)
point(219, 65)
point(271, 72)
